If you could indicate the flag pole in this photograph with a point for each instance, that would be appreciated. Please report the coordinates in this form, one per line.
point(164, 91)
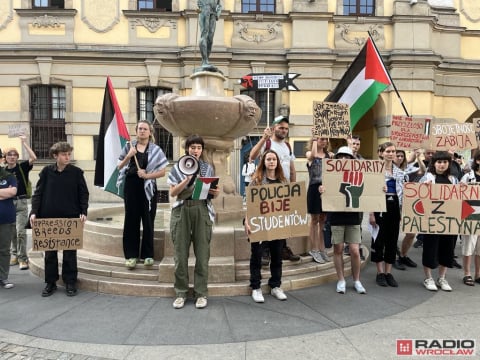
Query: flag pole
point(388, 74)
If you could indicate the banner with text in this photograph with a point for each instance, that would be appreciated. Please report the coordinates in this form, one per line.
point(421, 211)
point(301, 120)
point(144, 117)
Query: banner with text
point(57, 234)
point(441, 209)
point(277, 211)
point(408, 133)
point(353, 185)
point(331, 120)
point(444, 136)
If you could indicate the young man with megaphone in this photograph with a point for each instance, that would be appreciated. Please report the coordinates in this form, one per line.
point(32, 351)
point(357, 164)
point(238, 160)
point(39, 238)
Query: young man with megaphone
point(191, 222)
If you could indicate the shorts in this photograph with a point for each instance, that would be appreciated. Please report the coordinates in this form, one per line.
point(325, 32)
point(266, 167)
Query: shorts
point(314, 201)
point(350, 234)
point(470, 245)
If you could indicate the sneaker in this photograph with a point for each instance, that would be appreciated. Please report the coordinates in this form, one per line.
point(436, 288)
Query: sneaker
point(287, 254)
point(324, 256)
point(148, 262)
point(131, 263)
point(6, 284)
point(391, 280)
point(418, 244)
point(71, 289)
point(398, 265)
point(13, 261)
point(444, 285)
point(278, 293)
point(405, 260)
point(23, 265)
point(201, 302)
point(50, 288)
point(359, 287)
point(346, 250)
point(381, 280)
point(315, 254)
point(257, 296)
point(341, 287)
point(430, 284)
point(179, 302)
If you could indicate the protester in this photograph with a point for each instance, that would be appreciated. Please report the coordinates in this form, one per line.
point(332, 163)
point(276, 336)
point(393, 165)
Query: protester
point(248, 169)
point(268, 171)
point(438, 248)
point(8, 189)
point(317, 151)
point(140, 163)
point(21, 170)
point(385, 245)
point(191, 222)
point(346, 229)
point(61, 192)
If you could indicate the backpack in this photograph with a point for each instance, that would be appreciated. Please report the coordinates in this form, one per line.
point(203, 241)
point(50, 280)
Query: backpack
point(268, 145)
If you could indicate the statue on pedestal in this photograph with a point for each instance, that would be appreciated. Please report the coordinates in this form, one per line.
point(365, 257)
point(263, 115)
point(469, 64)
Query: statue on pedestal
point(210, 11)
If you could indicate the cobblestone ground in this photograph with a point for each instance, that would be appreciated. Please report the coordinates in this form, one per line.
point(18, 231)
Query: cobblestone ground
point(20, 352)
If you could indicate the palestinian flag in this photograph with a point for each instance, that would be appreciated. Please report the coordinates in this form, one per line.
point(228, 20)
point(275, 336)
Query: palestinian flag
point(363, 82)
point(112, 137)
point(202, 185)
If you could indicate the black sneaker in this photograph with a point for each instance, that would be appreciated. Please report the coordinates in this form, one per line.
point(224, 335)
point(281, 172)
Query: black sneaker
point(398, 265)
point(390, 280)
point(418, 244)
point(287, 254)
point(71, 290)
point(49, 289)
point(405, 260)
point(381, 280)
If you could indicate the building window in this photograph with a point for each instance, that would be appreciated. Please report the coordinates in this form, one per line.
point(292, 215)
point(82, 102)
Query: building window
point(146, 97)
point(159, 5)
point(47, 118)
point(58, 4)
point(258, 6)
point(260, 97)
point(359, 7)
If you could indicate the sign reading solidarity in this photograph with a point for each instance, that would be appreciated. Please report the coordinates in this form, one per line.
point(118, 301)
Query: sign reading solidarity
point(444, 136)
point(331, 120)
point(277, 211)
point(57, 234)
point(441, 208)
point(353, 185)
point(408, 133)
point(269, 81)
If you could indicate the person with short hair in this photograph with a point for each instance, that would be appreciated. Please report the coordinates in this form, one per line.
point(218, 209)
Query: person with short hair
point(61, 192)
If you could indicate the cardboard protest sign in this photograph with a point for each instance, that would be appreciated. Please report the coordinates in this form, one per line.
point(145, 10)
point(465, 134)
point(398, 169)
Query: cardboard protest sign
point(277, 211)
point(476, 123)
point(331, 120)
point(57, 234)
point(444, 136)
point(16, 130)
point(353, 185)
point(408, 133)
point(441, 209)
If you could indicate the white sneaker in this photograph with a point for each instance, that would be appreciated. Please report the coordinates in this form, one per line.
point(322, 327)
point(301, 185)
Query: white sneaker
point(444, 285)
point(341, 287)
point(201, 302)
point(430, 284)
point(317, 257)
point(278, 293)
point(359, 287)
point(179, 302)
point(257, 296)
point(324, 256)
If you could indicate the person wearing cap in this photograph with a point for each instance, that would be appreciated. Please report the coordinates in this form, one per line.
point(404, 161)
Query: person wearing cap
point(275, 138)
point(21, 170)
point(346, 229)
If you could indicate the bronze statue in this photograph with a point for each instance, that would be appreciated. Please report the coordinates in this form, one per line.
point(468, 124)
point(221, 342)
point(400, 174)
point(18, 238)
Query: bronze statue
point(210, 11)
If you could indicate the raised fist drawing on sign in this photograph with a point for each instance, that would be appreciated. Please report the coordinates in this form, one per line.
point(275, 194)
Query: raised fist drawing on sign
point(352, 188)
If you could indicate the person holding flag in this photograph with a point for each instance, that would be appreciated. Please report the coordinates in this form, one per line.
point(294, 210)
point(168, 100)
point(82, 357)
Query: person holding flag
point(140, 164)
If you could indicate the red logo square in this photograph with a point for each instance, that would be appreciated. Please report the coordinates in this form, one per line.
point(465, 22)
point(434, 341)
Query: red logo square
point(404, 347)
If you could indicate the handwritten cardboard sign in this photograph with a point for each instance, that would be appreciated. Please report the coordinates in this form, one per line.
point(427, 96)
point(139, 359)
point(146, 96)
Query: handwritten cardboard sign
point(331, 120)
point(444, 136)
point(57, 234)
point(441, 209)
point(277, 211)
point(408, 133)
point(16, 130)
point(353, 185)
point(476, 123)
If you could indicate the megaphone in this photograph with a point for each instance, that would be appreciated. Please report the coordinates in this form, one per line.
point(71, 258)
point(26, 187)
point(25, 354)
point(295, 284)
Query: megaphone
point(188, 165)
